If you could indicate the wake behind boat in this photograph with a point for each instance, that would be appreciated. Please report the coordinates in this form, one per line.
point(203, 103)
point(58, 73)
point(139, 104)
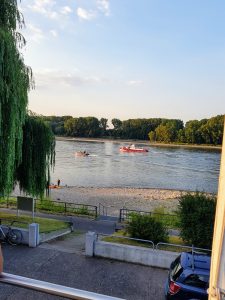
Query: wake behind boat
point(132, 148)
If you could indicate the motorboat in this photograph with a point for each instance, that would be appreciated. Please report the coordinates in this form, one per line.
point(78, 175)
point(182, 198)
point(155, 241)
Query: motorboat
point(132, 148)
point(81, 153)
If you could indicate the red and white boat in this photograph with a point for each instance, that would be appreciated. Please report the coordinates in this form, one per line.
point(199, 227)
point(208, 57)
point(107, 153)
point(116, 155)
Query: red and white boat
point(132, 148)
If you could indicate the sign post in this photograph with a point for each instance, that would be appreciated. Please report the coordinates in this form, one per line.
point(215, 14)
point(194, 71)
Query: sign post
point(25, 203)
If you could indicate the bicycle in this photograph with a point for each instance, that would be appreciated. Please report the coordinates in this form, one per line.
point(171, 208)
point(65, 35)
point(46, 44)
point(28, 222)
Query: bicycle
point(9, 235)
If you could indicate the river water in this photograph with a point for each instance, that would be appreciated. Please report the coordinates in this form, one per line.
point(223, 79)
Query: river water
point(168, 168)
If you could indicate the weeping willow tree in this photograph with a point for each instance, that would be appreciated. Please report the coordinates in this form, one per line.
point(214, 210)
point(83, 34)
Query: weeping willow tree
point(37, 156)
point(15, 82)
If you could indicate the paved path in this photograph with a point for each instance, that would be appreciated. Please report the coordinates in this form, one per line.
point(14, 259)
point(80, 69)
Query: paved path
point(63, 262)
point(71, 243)
point(79, 223)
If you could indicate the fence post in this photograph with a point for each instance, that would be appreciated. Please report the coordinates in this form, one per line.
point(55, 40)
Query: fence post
point(96, 212)
point(35, 205)
point(65, 208)
point(120, 218)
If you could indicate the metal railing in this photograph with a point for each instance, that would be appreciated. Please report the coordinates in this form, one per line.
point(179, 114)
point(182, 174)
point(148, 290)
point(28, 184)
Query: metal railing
point(51, 288)
point(171, 220)
point(153, 245)
point(181, 247)
point(50, 206)
point(128, 238)
point(102, 209)
point(67, 208)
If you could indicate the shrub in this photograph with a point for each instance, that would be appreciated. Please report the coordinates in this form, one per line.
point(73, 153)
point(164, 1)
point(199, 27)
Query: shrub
point(197, 214)
point(147, 228)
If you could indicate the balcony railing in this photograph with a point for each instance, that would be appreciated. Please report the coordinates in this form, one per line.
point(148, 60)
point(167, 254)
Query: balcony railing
point(51, 288)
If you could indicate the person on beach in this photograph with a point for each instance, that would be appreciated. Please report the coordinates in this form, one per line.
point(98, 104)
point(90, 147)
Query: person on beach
point(58, 182)
point(1, 260)
point(47, 188)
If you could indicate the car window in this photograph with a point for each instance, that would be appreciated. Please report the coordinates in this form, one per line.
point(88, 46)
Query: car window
point(197, 280)
point(176, 269)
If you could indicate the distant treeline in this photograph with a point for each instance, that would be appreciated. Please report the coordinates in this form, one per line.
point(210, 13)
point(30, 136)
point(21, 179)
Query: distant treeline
point(205, 131)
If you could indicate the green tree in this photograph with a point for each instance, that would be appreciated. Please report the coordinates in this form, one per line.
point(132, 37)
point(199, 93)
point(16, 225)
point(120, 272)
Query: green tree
point(192, 131)
point(116, 131)
point(92, 127)
point(197, 213)
point(15, 82)
point(69, 125)
point(181, 136)
point(212, 130)
point(152, 136)
point(116, 123)
point(168, 130)
point(103, 125)
point(82, 127)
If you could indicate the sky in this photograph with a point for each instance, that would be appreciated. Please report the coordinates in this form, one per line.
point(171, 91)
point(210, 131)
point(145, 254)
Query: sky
point(126, 58)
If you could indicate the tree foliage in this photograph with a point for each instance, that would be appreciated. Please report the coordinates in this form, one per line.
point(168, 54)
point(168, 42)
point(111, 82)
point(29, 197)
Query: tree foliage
point(197, 213)
point(15, 82)
point(205, 131)
point(82, 127)
point(38, 156)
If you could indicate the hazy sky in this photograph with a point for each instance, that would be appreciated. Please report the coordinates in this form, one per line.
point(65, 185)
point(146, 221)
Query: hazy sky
point(126, 58)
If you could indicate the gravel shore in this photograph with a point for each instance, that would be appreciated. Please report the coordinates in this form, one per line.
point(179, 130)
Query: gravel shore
point(116, 198)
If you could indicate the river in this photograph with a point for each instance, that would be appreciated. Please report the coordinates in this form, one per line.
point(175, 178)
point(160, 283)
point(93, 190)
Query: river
point(167, 168)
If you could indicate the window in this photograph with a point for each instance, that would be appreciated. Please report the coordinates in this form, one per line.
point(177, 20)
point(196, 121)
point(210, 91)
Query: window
point(176, 269)
point(197, 280)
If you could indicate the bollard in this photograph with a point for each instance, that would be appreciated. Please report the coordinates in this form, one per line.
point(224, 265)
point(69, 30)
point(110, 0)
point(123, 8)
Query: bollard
point(89, 243)
point(33, 235)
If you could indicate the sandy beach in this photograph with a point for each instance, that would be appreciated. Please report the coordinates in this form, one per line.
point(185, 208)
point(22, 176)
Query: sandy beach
point(116, 198)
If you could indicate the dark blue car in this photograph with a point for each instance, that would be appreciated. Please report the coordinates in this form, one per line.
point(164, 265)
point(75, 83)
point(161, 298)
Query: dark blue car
point(188, 277)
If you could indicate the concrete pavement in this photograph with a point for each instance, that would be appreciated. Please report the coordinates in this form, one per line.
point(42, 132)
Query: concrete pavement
point(54, 263)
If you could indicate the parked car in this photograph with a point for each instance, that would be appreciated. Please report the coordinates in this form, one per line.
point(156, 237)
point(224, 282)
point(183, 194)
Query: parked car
point(188, 277)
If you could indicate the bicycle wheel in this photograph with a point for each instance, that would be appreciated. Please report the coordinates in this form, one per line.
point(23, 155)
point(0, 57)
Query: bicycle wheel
point(14, 237)
point(2, 235)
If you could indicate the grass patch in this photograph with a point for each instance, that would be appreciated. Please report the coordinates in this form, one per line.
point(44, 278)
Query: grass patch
point(46, 225)
point(10, 202)
point(120, 240)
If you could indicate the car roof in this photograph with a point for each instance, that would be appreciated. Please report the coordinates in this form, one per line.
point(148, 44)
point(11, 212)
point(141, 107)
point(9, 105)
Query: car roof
point(195, 261)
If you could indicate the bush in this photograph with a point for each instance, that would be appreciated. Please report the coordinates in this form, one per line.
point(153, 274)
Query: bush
point(147, 228)
point(197, 214)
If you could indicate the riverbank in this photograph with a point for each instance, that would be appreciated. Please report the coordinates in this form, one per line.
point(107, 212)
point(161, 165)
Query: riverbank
point(140, 142)
point(116, 198)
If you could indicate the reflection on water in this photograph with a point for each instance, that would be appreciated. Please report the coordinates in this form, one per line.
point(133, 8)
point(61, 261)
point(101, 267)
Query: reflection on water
point(106, 166)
